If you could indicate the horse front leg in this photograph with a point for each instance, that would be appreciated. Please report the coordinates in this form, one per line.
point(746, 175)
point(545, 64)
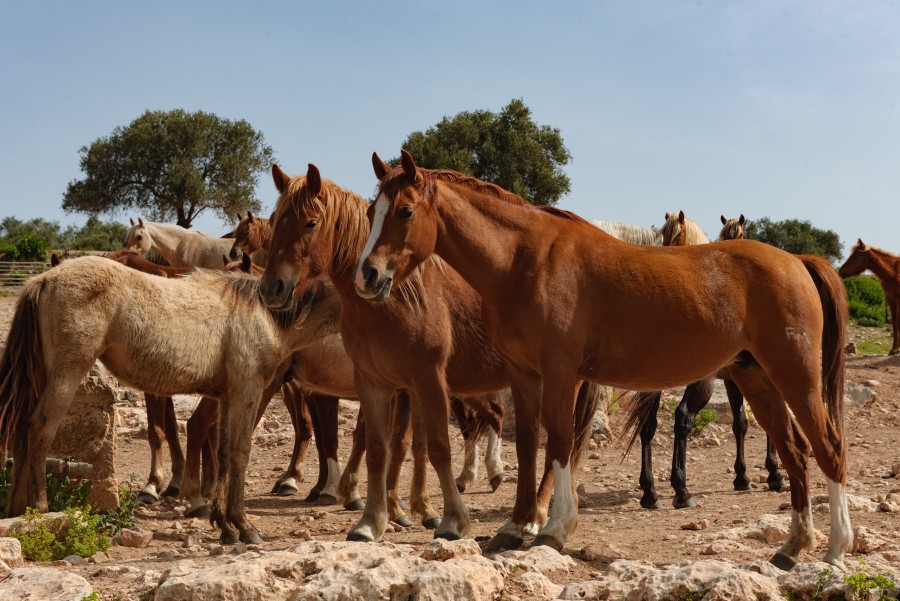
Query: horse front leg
point(176, 455)
point(526, 394)
point(348, 487)
point(156, 418)
point(419, 499)
point(288, 483)
point(202, 420)
point(470, 463)
point(375, 401)
point(894, 305)
point(399, 447)
point(739, 429)
point(327, 411)
point(695, 398)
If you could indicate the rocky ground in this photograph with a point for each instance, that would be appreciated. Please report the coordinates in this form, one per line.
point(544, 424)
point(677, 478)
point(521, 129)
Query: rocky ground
point(717, 549)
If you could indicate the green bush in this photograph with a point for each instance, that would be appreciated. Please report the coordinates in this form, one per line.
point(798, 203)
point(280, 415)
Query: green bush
point(83, 538)
point(115, 520)
point(61, 492)
point(866, 299)
point(41, 543)
point(31, 248)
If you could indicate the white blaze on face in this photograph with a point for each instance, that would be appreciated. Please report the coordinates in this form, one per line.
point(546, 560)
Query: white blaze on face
point(381, 208)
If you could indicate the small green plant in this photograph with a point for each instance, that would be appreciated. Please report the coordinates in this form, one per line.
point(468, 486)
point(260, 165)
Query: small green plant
point(115, 520)
point(704, 418)
point(40, 544)
point(92, 597)
point(873, 347)
point(83, 538)
point(63, 492)
point(862, 582)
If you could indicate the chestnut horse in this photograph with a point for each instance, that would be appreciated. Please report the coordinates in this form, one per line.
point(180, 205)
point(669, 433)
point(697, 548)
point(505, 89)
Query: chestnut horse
point(886, 268)
point(678, 231)
point(203, 333)
point(732, 228)
point(427, 337)
point(252, 236)
point(563, 300)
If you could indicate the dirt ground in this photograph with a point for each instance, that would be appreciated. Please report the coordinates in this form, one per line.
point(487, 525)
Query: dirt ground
point(611, 523)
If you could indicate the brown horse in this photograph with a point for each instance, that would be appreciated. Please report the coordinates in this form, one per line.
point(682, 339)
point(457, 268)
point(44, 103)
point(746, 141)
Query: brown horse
point(427, 337)
point(563, 300)
point(252, 236)
point(886, 268)
point(679, 231)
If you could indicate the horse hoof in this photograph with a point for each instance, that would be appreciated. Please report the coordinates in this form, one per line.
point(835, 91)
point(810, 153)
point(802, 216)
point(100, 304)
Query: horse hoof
point(404, 521)
point(171, 491)
point(547, 541)
point(285, 490)
point(355, 505)
point(783, 562)
point(200, 511)
point(312, 497)
point(446, 535)
point(741, 485)
point(778, 485)
point(496, 481)
point(461, 487)
point(432, 523)
point(894, 352)
point(146, 498)
point(252, 538)
point(685, 503)
point(229, 538)
point(404, 505)
point(504, 542)
point(359, 537)
point(651, 503)
point(327, 499)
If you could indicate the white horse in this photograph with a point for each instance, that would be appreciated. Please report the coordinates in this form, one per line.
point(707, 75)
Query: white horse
point(205, 333)
point(634, 234)
point(178, 246)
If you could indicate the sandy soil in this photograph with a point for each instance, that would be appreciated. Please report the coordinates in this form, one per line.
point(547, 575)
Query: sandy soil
point(611, 523)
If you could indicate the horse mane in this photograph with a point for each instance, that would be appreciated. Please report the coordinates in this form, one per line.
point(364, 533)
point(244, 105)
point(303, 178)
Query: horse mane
point(633, 234)
point(693, 233)
point(731, 230)
point(338, 209)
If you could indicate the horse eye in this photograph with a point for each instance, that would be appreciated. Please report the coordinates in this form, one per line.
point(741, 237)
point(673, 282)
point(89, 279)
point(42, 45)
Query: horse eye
point(406, 212)
point(139, 238)
point(311, 225)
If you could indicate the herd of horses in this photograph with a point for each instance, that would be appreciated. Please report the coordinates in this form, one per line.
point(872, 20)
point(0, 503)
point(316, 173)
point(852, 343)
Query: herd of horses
point(434, 297)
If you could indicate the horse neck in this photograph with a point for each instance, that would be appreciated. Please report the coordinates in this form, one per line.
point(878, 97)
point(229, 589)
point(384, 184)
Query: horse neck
point(883, 264)
point(479, 235)
point(165, 239)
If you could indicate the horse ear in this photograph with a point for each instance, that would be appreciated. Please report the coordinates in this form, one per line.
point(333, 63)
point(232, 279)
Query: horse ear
point(281, 178)
point(141, 222)
point(249, 217)
point(722, 217)
point(667, 215)
point(408, 164)
point(245, 262)
point(240, 218)
point(381, 168)
point(680, 216)
point(131, 219)
point(861, 245)
point(741, 219)
point(54, 260)
point(313, 181)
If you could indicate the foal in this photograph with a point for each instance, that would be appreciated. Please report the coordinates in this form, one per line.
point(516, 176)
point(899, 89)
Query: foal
point(886, 268)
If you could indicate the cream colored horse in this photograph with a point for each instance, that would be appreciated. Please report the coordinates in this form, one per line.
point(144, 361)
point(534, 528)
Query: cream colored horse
point(178, 246)
point(206, 333)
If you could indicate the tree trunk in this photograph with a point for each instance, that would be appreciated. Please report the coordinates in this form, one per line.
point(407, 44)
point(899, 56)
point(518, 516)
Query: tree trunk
point(183, 220)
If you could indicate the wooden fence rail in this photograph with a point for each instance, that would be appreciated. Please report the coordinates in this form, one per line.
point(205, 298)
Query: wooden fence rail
point(14, 273)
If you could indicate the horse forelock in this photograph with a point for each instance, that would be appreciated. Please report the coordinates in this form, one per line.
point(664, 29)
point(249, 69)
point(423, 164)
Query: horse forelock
point(732, 230)
point(671, 230)
point(256, 233)
point(338, 208)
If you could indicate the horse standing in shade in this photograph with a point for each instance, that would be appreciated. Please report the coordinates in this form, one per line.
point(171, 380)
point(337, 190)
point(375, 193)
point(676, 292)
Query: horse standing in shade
point(680, 231)
point(886, 268)
point(427, 337)
point(563, 300)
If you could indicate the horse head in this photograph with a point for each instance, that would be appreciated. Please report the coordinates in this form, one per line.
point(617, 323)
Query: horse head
point(857, 262)
point(138, 238)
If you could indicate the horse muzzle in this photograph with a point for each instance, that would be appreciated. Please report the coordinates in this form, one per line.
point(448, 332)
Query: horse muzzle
point(372, 284)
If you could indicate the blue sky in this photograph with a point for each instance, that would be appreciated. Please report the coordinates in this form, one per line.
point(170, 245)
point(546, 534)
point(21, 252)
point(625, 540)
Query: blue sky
point(777, 109)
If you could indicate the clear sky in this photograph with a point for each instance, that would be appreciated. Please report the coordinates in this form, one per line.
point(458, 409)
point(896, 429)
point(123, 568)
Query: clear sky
point(770, 109)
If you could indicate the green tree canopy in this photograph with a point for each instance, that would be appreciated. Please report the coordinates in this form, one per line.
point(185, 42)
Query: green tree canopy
point(507, 148)
point(13, 231)
point(97, 235)
point(795, 236)
point(93, 235)
point(172, 165)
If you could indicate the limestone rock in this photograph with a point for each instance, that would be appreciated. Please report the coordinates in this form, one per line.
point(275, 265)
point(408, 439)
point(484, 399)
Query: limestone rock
point(718, 547)
point(718, 579)
point(816, 578)
point(46, 584)
point(866, 540)
point(537, 585)
point(536, 559)
point(857, 394)
point(442, 550)
point(11, 552)
point(138, 539)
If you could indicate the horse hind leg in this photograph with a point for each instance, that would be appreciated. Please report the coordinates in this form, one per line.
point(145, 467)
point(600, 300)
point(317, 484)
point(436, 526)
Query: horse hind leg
point(176, 455)
point(649, 498)
point(739, 425)
point(348, 487)
point(327, 408)
point(696, 396)
point(493, 459)
point(156, 418)
point(470, 464)
point(419, 499)
point(199, 427)
point(296, 403)
point(399, 446)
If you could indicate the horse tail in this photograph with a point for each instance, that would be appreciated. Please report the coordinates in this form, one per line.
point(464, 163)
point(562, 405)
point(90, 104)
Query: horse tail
point(22, 365)
point(590, 396)
point(833, 296)
point(478, 413)
point(640, 408)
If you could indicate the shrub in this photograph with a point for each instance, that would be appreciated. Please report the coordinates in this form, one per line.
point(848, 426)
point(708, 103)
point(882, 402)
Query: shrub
point(40, 544)
point(704, 418)
point(83, 538)
point(61, 492)
point(115, 520)
point(866, 299)
point(31, 248)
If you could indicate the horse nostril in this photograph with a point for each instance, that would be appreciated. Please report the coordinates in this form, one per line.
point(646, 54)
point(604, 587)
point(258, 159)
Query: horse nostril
point(371, 275)
point(279, 287)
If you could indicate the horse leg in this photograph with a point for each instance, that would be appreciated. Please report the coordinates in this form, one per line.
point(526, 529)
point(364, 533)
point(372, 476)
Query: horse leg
point(398, 447)
point(327, 410)
point(319, 439)
point(775, 480)
point(375, 401)
point(348, 487)
point(649, 498)
point(198, 432)
point(176, 455)
point(433, 401)
point(419, 499)
point(470, 463)
point(526, 390)
point(557, 412)
point(34, 434)
point(894, 305)
point(297, 405)
point(156, 417)
point(739, 429)
point(493, 459)
point(695, 398)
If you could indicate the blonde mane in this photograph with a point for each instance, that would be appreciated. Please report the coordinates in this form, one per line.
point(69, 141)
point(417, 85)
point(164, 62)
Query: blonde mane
point(672, 229)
